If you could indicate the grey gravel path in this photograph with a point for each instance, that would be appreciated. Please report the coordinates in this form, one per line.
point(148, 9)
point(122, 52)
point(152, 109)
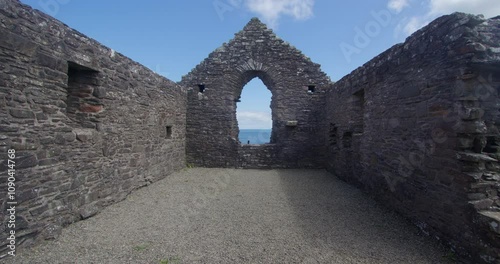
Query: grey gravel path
point(241, 216)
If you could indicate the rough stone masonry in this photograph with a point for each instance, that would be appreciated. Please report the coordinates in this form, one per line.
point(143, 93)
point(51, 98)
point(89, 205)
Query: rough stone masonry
point(297, 111)
point(88, 125)
point(417, 126)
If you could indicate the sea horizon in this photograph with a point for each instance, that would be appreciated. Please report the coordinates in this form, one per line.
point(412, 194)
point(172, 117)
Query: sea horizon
point(255, 135)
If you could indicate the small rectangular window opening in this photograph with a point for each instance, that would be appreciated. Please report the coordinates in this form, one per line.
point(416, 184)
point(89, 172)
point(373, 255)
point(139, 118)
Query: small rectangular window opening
point(169, 132)
point(333, 134)
point(201, 87)
point(359, 110)
point(311, 89)
point(83, 101)
point(347, 139)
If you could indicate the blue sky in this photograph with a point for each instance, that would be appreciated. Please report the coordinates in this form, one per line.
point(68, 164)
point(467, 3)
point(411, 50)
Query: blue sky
point(172, 37)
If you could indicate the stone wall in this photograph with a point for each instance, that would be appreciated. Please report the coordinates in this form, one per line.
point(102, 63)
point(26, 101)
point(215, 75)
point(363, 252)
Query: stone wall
point(88, 125)
point(479, 105)
point(258, 156)
point(298, 91)
point(411, 126)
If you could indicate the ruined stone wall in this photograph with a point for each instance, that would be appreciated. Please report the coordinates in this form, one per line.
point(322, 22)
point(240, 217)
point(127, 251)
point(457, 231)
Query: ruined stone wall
point(479, 106)
point(216, 85)
point(258, 156)
point(87, 124)
point(409, 125)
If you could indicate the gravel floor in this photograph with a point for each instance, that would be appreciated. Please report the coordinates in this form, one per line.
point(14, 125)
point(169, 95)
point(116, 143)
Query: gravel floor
point(241, 216)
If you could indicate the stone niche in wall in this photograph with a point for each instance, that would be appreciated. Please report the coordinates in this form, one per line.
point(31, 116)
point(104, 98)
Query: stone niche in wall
point(84, 95)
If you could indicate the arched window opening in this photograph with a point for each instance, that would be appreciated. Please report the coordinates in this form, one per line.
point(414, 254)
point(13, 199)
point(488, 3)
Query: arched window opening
point(253, 112)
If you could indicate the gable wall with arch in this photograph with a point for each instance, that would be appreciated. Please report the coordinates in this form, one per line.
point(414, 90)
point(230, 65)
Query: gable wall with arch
point(212, 129)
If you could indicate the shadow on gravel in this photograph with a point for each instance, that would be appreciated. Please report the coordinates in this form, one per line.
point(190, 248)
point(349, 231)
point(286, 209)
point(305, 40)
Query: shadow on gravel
point(230, 216)
point(337, 219)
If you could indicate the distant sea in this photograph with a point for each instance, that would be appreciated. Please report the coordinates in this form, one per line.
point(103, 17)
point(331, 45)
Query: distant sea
point(256, 136)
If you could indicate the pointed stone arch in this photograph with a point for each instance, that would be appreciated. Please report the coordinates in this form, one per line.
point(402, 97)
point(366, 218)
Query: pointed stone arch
point(212, 129)
point(268, 85)
point(243, 75)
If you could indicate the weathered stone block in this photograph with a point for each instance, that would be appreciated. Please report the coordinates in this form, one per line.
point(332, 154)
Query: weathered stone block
point(18, 43)
point(474, 157)
point(7, 128)
point(23, 146)
point(92, 196)
point(36, 211)
point(99, 92)
point(471, 114)
point(138, 149)
point(476, 196)
point(48, 162)
point(472, 127)
point(46, 140)
point(88, 108)
point(41, 117)
point(26, 161)
point(21, 223)
point(490, 176)
point(26, 195)
point(63, 138)
point(493, 220)
point(84, 134)
point(52, 231)
point(48, 61)
point(88, 210)
point(484, 204)
point(407, 91)
point(22, 113)
point(465, 142)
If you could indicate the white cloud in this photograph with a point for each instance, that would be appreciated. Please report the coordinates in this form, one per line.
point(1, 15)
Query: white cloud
point(254, 120)
point(414, 24)
point(489, 8)
point(409, 26)
point(397, 5)
point(272, 10)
